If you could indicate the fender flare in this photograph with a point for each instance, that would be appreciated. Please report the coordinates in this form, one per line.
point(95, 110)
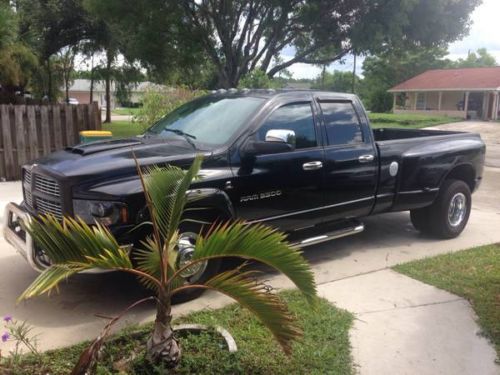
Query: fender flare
point(211, 198)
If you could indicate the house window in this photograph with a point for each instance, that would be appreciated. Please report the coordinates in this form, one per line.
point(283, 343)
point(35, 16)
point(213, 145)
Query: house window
point(420, 101)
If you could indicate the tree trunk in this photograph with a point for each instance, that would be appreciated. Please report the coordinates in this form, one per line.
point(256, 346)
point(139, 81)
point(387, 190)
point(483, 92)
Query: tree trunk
point(108, 88)
point(49, 78)
point(92, 81)
point(162, 347)
point(66, 84)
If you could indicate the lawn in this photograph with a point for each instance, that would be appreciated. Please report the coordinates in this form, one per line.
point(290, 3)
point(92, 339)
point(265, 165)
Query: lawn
point(123, 129)
point(410, 121)
point(125, 111)
point(324, 348)
point(473, 274)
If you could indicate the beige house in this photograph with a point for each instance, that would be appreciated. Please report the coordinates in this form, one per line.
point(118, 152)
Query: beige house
point(472, 93)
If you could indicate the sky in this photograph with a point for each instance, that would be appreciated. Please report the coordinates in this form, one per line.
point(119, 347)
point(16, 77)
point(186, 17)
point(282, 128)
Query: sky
point(484, 33)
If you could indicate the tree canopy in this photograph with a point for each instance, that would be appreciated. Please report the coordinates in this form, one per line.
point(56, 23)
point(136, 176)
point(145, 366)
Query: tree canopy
point(238, 36)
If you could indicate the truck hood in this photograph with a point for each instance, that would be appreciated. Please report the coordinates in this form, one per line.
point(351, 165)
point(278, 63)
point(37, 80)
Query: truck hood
point(116, 157)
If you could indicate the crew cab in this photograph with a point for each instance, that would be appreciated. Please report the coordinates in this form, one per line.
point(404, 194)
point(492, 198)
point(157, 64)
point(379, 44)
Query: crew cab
point(305, 162)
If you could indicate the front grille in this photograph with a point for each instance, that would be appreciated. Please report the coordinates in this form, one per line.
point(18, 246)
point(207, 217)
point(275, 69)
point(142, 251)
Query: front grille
point(45, 206)
point(27, 177)
point(46, 185)
point(42, 194)
point(28, 197)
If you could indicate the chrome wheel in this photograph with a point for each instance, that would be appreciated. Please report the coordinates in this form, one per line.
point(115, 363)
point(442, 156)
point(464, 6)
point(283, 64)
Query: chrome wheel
point(457, 209)
point(185, 246)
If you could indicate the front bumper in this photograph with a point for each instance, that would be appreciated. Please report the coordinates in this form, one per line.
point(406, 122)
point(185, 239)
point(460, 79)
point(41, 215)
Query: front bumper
point(14, 232)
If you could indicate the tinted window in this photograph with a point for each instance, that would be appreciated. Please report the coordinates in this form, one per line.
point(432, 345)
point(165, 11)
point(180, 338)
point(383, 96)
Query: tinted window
point(342, 123)
point(209, 120)
point(296, 117)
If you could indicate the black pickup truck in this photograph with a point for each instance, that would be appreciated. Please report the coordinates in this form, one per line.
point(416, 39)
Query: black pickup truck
point(305, 162)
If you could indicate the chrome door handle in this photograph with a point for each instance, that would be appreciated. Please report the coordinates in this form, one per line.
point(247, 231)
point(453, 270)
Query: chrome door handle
point(366, 158)
point(312, 165)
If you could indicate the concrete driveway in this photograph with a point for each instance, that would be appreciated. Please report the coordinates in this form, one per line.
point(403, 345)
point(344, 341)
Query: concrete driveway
point(69, 316)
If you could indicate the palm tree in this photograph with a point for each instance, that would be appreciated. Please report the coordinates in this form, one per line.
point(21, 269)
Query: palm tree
point(74, 246)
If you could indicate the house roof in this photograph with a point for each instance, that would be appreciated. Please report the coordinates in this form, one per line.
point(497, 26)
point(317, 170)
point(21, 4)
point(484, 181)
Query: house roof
point(83, 85)
point(465, 79)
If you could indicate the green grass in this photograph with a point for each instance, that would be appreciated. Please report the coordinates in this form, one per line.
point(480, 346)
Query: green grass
point(324, 348)
point(409, 121)
point(473, 274)
point(123, 129)
point(125, 111)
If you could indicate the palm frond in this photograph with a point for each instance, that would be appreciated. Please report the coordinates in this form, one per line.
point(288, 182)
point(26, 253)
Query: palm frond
point(148, 261)
point(256, 297)
point(72, 246)
point(75, 241)
point(260, 243)
point(49, 279)
point(167, 187)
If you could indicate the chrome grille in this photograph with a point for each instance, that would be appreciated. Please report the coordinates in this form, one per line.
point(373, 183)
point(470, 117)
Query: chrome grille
point(46, 185)
point(42, 194)
point(49, 207)
point(27, 177)
point(28, 197)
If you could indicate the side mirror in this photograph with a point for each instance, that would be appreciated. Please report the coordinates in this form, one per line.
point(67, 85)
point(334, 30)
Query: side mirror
point(277, 140)
point(282, 136)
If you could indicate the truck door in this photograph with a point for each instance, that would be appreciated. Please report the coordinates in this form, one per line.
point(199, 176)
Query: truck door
point(283, 188)
point(350, 165)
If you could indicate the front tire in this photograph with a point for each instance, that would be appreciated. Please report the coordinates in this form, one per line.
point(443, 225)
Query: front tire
point(199, 275)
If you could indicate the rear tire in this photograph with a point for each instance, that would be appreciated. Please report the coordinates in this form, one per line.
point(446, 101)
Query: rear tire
point(448, 215)
point(450, 212)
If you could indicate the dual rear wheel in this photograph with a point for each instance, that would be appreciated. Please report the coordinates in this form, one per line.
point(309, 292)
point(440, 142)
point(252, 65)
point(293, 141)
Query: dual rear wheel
point(448, 215)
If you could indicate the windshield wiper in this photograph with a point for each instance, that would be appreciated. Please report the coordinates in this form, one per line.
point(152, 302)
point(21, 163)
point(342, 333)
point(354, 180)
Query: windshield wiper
point(188, 137)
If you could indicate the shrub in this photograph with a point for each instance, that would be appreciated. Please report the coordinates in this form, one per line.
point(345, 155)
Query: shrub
point(157, 102)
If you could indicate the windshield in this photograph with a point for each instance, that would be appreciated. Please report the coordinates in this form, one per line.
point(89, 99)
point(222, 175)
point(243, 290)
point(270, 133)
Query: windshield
point(208, 120)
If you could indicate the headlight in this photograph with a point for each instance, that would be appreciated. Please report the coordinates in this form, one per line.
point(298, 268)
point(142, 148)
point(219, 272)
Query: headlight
point(104, 212)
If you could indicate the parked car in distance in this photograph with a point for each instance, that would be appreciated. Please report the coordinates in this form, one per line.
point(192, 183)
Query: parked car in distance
point(305, 162)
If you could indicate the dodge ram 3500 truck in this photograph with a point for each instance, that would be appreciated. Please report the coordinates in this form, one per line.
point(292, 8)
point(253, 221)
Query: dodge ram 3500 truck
point(305, 162)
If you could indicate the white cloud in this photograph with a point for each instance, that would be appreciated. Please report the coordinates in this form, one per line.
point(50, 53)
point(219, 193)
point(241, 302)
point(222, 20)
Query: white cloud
point(483, 32)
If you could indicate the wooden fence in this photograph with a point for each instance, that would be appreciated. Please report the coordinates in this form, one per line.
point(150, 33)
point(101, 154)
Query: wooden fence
point(28, 132)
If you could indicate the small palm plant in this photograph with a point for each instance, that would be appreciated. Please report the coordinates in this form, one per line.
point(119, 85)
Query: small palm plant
point(74, 246)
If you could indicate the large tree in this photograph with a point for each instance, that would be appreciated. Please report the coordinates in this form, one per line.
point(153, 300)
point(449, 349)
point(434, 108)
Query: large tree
point(479, 59)
point(238, 36)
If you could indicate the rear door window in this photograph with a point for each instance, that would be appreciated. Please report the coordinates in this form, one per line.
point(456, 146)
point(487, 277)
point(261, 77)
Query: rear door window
point(341, 123)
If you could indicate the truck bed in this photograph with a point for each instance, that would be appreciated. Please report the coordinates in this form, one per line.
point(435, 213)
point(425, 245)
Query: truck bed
point(391, 134)
point(420, 160)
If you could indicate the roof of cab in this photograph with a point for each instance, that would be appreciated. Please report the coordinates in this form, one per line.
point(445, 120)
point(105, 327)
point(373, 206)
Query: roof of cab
point(271, 93)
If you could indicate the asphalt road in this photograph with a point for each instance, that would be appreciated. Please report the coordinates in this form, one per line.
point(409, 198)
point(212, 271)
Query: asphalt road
point(69, 316)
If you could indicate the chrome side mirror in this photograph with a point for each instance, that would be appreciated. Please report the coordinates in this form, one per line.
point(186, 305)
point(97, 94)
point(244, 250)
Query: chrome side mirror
point(281, 136)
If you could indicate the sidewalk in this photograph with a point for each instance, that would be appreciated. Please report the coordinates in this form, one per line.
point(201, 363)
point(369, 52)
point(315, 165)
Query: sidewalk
point(404, 326)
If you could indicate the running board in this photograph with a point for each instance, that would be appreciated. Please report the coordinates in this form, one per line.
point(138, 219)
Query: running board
point(339, 233)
